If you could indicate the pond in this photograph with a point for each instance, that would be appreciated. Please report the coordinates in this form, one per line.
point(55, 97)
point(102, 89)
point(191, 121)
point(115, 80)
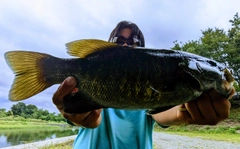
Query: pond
point(17, 137)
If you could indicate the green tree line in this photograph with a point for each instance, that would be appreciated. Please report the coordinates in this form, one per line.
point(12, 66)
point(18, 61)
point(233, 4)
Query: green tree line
point(30, 111)
point(220, 45)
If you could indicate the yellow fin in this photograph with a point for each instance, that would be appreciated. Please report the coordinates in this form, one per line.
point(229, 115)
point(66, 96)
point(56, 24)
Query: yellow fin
point(82, 48)
point(28, 79)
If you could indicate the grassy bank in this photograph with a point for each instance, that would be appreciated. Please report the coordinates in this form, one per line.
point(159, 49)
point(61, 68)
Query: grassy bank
point(22, 123)
point(63, 145)
point(227, 130)
point(220, 133)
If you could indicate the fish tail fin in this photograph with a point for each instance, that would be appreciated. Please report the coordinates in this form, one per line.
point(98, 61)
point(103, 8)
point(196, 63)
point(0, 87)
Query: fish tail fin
point(29, 77)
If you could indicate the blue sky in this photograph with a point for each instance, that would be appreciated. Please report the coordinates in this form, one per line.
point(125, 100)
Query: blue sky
point(46, 26)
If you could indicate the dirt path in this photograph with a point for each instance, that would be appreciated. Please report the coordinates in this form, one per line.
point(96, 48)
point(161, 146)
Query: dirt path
point(169, 141)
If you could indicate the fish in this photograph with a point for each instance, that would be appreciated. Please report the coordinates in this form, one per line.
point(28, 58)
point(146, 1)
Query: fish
point(122, 77)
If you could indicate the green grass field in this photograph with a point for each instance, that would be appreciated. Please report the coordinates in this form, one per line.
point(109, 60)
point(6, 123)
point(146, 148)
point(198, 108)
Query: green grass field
point(63, 145)
point(22, 123)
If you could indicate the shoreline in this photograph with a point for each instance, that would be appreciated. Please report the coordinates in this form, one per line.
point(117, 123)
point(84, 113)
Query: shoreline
point(160, 140)
point(36, 145)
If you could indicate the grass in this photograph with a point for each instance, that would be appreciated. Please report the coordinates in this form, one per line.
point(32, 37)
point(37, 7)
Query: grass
point(235, 114)
point(22, 123)
point(234, 138)
point(63, 145)
point(219, 134)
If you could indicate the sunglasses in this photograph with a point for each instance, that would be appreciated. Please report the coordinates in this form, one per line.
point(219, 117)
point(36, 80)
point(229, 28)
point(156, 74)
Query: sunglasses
point(130, 41)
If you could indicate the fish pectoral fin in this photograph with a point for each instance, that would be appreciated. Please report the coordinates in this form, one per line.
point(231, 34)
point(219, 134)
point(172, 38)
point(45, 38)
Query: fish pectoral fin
point(84, 47)
point(158, 110)
point(163, 85)
point(79, 102)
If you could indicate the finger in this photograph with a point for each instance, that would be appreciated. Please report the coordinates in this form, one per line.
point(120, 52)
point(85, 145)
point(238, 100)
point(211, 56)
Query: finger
point(76, 118)
point(182, 108)
point(193, 111)
point(65, 88)
point(220, 104)
point(93, 119)
point(183, 114)
point(89, 119)
point(206, 109)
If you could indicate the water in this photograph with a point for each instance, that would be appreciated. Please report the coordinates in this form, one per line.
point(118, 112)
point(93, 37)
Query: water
point(17, 137)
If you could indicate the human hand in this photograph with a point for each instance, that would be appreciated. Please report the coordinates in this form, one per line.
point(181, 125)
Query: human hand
point(89, 119)
point(208, 109)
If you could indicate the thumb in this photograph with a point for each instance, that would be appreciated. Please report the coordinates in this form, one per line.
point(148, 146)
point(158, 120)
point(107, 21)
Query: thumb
point(65, 88)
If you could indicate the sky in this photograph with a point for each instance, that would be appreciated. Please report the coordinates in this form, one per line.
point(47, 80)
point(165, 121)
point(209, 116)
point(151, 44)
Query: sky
point(46, 26)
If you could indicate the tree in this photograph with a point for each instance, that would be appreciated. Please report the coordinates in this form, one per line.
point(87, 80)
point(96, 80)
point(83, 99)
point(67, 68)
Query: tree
point(234, 48)
point(9, 113)
point(18, 108)
point(30, 109)
point(2, 112)
point(214, 42)
point(210, 45)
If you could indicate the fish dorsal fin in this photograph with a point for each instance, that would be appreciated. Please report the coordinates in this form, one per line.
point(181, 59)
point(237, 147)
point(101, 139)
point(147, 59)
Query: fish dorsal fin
point(84, 47)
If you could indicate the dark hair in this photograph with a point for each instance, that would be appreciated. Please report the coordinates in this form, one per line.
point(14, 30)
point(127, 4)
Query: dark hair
point(126, 24)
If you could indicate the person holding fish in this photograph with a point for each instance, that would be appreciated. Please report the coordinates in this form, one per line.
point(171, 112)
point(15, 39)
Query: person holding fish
point(117, 90)
point(106, 128)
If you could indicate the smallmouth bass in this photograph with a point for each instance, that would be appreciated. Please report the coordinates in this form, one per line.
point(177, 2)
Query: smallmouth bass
point(110, 75)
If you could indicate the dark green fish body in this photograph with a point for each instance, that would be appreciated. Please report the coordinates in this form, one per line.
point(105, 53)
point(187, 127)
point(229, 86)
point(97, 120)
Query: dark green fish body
point(124, 77)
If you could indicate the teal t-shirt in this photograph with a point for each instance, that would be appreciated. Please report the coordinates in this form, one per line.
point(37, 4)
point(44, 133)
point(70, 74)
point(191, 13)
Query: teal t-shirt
point(119, 129)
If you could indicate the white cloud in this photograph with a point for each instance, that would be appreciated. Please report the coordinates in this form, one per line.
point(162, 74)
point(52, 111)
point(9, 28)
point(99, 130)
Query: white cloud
point(217, 13)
